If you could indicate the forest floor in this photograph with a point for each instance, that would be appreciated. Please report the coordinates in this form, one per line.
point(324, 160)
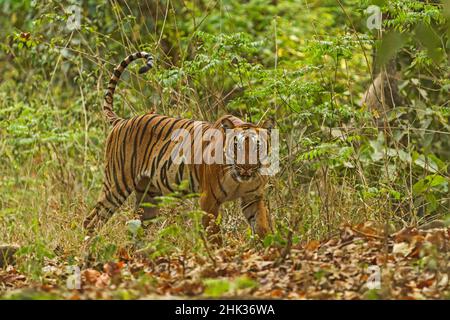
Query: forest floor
point(408, 264)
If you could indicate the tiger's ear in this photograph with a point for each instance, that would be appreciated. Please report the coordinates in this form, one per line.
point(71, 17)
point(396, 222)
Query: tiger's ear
point(268, 124)
point(227, 123)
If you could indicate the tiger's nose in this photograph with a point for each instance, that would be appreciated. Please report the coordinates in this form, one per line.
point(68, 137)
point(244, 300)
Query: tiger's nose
point(245, 173)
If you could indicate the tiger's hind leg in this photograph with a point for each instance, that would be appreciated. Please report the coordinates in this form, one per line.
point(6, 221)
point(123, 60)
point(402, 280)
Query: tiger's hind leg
point(146, 204)
point(107, 204)
point(209, 204)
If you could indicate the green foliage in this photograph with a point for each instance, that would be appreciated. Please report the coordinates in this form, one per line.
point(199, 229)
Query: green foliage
point(220, 287)
point(102, 250)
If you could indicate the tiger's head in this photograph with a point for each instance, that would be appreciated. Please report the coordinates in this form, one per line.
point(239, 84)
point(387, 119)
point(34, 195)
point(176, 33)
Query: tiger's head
point(246, 147)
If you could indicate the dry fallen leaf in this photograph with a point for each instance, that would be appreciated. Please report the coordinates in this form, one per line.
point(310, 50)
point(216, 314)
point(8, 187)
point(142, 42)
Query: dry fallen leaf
point(368, 229)
point(406, 234)
point(401, 248)
point(437, 238)
point(113, 268)
point(102, 281)
point(277, 293)
point(91, 275)
point(312, 245)
point(339, 270)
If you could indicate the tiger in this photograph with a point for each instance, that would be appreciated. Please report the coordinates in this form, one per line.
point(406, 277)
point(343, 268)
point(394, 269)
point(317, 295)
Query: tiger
point(138, 158)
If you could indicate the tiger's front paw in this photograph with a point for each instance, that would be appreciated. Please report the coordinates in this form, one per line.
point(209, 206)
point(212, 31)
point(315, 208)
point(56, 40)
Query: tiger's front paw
point(215, 239)
point(213, 230)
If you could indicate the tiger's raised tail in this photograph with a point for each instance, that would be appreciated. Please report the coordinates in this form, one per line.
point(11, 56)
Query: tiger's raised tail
point(110, 115)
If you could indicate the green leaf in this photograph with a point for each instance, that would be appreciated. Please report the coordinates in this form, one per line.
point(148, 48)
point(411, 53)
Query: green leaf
point(216, 287)
point(429, 38)
point(426, 163)
point(432, 202)
point(429, 182)
point(171, 230)
point(245, 283)
point(404, 156)
point(268, 240)
point(379, 3)
point(389, 46)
